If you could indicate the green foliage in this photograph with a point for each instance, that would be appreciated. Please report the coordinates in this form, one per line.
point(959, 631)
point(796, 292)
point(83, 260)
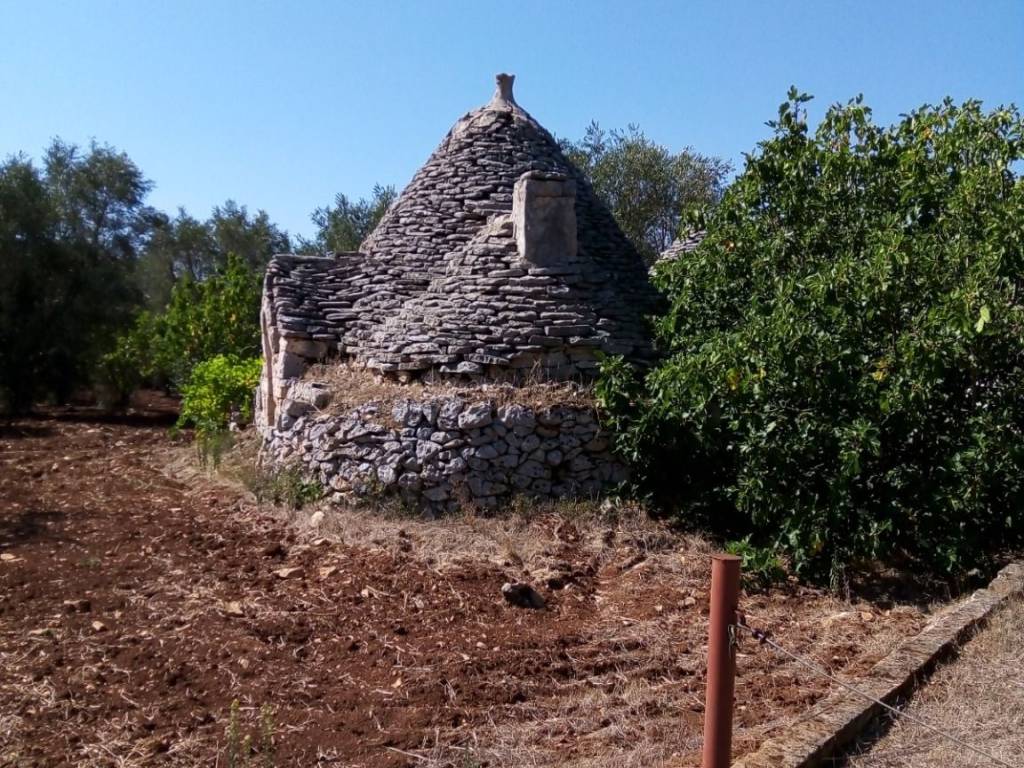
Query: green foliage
point(241, 750)
point(204, 319)
point(218, 389)
point(212, 446)
point(844, 353)
point(344, 226)
point(219, 393)
point(218, 316)
point(285, 485)
point(82, 255)
point(238, 747)
point(184, 248)
point(760, 566)
point(99, 199)
point(68, 237)
point(645, 185)
point(119, 372)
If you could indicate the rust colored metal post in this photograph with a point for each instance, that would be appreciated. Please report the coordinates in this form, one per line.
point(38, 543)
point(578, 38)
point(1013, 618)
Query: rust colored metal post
point(718, 701)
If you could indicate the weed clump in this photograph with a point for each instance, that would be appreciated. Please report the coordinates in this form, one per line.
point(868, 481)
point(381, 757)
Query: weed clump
point(284, 485)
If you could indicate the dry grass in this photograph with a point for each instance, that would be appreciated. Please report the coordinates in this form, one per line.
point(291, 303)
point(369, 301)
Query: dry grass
point(979, 699)
point(525, 532)
point(351, 386)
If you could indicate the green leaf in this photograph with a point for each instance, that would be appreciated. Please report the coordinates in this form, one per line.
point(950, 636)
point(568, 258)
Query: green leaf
point(984, 316)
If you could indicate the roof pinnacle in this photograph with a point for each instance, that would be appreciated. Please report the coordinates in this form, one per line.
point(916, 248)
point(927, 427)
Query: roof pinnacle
point(503, 97)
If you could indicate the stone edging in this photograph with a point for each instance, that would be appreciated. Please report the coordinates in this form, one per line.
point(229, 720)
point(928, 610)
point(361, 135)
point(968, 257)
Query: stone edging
point(836, 721)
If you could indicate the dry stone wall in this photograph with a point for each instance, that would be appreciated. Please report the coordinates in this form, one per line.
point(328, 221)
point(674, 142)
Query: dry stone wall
point(439, 453)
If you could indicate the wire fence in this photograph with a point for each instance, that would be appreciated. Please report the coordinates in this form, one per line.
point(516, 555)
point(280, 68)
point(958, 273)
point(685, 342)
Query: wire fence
point(764, 638)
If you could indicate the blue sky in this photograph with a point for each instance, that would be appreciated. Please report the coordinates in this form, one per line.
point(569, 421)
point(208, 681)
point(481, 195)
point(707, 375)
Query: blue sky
point(279, 105)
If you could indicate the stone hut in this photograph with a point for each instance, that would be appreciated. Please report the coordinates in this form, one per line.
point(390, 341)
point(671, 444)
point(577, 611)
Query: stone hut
point(682, 245)
point(496, 264)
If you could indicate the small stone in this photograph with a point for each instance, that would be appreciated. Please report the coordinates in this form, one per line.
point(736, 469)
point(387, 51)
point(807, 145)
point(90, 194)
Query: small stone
point(426, 450)
point(436, 494)
point(77, 606)
point(532, 470)
point(430, 411)
point(689, 602)
point(317, 518)
point(522, 595)
point(555, 582)
point(276, 549)
point(410, 480)
point(387, 475)
point(475, 416)
point(448, 416)
point(99, 626)
point(233, 608)
point(518, 417)
point(530, 443)
point(486, 452)
point(288, 573)
point(550, 417)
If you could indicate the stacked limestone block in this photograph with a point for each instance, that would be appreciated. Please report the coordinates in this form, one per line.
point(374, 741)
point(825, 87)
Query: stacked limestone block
point(440, 453)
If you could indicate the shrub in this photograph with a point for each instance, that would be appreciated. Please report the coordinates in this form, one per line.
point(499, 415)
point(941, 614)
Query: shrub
point(242, 750)
point(119, 374)
point(217, 316)
point(218, 389)
point(760, 566)
point(843, 370)
point(130, 363)
point(285, 485)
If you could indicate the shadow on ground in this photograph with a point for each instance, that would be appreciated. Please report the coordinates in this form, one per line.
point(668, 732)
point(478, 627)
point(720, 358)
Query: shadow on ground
point(28, 525)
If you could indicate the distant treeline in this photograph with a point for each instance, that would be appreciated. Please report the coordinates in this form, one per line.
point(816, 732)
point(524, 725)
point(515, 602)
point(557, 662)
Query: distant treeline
point(91, 276)
point(82, 254)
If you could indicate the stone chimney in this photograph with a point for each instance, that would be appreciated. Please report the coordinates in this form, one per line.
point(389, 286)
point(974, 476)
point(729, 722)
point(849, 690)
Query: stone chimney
point(544, 218)
point(503, 98)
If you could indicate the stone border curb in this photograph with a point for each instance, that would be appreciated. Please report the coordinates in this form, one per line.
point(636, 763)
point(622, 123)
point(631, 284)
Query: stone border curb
point(836, 721)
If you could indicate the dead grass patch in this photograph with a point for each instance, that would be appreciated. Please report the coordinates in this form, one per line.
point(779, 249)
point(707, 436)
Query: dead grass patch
point(628, 688)
point(978, 698)
point(352, 386)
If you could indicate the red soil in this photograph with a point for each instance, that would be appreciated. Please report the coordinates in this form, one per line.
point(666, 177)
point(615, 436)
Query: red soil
point(135, 607)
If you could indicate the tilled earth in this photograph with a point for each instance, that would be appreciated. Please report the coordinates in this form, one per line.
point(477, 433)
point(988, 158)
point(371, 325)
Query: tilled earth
point(137, 605)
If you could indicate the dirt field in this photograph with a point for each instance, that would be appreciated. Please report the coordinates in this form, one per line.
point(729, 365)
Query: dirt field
point(140, 598)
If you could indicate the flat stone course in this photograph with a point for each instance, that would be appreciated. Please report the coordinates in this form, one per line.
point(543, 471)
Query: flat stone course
point(435, 460)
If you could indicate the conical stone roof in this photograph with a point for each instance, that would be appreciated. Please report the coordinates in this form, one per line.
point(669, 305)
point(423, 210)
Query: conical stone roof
point(498, 257)
point(682, 245)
